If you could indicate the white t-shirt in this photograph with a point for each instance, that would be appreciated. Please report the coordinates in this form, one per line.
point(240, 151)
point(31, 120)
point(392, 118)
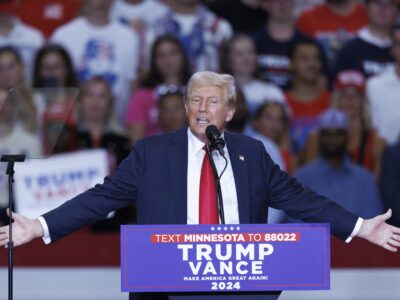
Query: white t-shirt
point(258, 92)
point(147, 11)
point(203, 31)
point(110, 51)
point(27, 40)
point(383, 95)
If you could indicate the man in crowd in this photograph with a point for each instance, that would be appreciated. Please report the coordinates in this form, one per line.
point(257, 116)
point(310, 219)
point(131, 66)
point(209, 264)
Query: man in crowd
point(369, 51)
point(163, 174)
point(333, 23)
point(274, 41)
point(308, 95)
point(334, 175)
point(245, 16)
point(101, 47)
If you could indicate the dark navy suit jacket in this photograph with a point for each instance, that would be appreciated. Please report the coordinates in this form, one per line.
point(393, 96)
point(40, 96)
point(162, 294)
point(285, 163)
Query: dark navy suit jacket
point(155, 176)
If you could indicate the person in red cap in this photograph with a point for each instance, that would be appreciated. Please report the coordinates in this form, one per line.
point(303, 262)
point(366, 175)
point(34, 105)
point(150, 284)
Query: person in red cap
point(364, 145)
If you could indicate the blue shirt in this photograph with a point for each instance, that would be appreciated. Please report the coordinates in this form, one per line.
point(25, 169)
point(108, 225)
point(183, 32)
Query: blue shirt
point(349, 185)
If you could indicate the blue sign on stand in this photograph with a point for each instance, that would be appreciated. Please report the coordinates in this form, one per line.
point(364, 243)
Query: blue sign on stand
point(207, 258)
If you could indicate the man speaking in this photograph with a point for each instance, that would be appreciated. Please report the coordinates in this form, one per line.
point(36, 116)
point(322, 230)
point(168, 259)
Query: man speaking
point(172, 182)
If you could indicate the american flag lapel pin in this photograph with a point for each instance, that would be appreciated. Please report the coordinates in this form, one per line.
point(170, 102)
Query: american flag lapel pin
point(241, 157)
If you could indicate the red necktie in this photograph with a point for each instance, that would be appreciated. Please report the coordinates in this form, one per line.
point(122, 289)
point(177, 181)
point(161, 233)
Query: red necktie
point(208, 211)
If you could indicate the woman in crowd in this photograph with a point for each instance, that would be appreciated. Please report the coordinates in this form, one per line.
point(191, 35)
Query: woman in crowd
point(97, 128)
point(53, 68)
point(95, 121)
point(171, 109)
point(241, 117)
point(364, 145)
point(55, 91)
point(14, 139)
point(239, 59)
point(12, 80)
point(168, 67)
point(272, 120)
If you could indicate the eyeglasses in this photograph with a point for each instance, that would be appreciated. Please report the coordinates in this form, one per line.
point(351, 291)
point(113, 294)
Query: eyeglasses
point(163, 90)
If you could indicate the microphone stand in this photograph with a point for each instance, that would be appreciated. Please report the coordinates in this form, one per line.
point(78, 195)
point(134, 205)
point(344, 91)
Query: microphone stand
point(10, 160)
point(220, 203)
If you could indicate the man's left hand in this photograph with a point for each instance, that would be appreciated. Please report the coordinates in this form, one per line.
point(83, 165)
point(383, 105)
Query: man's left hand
point(378, 232)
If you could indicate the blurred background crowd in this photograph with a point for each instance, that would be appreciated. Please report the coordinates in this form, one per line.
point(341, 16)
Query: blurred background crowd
point(318, 82)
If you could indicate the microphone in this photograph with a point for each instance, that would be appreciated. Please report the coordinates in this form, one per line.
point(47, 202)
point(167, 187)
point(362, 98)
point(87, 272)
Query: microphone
point(216, 141)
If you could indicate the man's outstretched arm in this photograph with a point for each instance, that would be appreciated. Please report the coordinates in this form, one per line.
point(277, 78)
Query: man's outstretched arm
point(374, 230)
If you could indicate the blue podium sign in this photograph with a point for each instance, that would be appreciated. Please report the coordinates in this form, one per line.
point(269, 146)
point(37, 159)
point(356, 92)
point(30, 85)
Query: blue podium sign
point(206, 258)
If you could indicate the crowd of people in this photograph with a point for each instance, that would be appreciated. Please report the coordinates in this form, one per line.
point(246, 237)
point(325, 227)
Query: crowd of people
point(318, 83)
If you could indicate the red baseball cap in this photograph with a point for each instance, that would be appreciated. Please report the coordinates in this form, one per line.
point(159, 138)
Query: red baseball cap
point(350, 78)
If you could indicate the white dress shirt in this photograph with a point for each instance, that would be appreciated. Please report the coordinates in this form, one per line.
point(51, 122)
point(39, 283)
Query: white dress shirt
point(195, 160)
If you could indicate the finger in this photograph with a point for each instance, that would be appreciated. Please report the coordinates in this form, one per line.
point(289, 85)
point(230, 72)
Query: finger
point(390, 248)
point(17, 217)
point(396, 230)
point(3, 242)
point(3, 230)
point(394, 242)
point(386, 215)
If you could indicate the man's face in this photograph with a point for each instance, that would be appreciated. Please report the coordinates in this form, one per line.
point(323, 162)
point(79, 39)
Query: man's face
point(281, 10)
point(382, 13)
point(99, 5)
point(207, 105)
point(333, 142)
point(306, 62)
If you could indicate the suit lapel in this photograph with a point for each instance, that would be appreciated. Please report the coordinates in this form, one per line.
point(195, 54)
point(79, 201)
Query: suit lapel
point(177, 164)
point(239, 168)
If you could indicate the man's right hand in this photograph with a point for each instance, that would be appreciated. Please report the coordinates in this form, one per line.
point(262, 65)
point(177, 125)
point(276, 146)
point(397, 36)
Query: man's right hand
point(24, 230)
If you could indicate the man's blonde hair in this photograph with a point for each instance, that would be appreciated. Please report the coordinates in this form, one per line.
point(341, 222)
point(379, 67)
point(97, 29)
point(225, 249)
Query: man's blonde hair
point(208, 78)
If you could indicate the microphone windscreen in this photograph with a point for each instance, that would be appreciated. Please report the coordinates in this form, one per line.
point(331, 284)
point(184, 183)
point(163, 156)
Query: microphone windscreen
point(212, 132)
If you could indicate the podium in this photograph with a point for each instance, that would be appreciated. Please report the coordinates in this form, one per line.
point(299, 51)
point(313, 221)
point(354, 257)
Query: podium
point(225, 258)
